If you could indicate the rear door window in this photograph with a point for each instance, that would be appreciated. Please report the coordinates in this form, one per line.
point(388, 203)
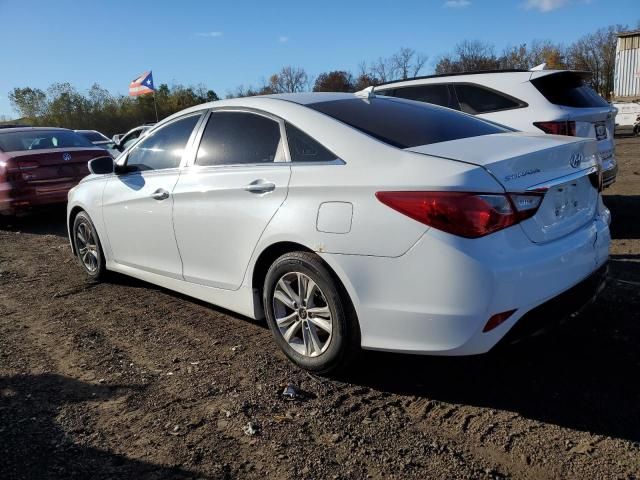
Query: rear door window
point(232, 138)
point(439, 94)
point(474, 99)
point(568, 89)
point(405, 124)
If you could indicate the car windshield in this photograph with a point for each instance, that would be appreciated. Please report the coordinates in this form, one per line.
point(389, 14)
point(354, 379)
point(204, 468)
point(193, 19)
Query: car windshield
point(93, 136)
point(41, 139)
point(404, 123)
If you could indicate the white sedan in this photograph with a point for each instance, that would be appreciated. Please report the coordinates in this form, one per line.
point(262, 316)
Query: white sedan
point(351, 221)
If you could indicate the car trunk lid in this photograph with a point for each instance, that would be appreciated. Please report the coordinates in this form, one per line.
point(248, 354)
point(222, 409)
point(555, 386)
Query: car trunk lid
point(564, 169)
point(54, 169)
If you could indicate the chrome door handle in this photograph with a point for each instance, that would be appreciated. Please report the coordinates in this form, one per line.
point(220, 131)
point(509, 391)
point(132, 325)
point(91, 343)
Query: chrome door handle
point(260, 186)
point(160, 194)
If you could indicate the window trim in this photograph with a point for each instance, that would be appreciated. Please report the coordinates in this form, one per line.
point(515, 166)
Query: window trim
point(123, 158)
point(521, 103)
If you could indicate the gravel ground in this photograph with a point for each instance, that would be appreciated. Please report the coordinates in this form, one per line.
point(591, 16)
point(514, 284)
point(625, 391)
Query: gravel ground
point(124, 379)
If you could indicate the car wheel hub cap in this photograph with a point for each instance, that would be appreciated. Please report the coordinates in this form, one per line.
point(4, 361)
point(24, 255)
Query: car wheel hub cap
point(302, 314)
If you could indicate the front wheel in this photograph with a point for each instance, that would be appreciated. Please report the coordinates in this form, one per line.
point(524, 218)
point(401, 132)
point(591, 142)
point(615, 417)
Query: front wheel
point(309, 314)
point(87, 247)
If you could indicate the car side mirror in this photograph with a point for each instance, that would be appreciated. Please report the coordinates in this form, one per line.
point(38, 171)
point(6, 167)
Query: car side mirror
point(101, 165)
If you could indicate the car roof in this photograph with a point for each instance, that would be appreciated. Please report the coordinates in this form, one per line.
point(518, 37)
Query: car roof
point(30, 129)
point(258, 102)
point(307, 98)
point(455, 74)
point(517, 73)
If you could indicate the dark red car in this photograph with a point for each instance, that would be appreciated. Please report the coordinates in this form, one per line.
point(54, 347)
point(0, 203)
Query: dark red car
point(38, 166)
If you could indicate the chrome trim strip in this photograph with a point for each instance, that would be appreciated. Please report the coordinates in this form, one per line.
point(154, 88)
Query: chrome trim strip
point(560, 180)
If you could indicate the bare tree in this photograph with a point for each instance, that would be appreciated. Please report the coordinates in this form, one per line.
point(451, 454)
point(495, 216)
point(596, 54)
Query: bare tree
point(407, 63)
point(596, 53)
point(527, 56)
point(383, 69)
point(476, 55)
point(515, 57)
point(468, 55)
point(289, 80)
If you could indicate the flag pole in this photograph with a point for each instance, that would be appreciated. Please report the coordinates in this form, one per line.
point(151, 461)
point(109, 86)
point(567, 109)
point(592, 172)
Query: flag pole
point(155, 106)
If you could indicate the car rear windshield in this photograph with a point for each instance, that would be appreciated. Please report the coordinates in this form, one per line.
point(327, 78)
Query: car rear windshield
point(568, 89)
point(405, 124)
point(93, 136)
point(41, 139)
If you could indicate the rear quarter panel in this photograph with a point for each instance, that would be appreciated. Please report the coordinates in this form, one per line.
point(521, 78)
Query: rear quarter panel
point(375, 229)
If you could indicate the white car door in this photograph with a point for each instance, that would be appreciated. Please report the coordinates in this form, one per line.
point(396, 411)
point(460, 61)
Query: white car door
point(224, 201)
point(137, 204)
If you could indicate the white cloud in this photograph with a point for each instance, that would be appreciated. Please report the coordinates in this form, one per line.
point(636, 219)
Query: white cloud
point(209, 34)
point(545, 5)
point(456, 3)
point(283, 39)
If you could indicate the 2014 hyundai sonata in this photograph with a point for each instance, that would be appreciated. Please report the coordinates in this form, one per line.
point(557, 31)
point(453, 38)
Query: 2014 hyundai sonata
point(353, 221)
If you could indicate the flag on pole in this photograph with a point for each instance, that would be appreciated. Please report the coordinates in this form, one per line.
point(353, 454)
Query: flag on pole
point(142, 85)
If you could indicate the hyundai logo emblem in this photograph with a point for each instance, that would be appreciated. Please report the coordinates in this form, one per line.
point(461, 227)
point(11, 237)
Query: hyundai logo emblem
point(575, 160)
point(66, 157)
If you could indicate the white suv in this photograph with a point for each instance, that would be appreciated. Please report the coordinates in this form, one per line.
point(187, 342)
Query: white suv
point(552, 101)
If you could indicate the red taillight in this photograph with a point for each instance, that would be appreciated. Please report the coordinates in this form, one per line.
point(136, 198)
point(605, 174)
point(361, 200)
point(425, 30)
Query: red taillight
point(469, 215)
point(9, 172)
point(557, 128)
point(497, 319)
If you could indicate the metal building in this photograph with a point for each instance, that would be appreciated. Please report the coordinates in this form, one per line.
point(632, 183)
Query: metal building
point(626, 82)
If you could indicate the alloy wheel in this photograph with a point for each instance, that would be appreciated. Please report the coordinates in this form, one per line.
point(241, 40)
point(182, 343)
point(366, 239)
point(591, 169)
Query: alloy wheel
point(302, 314)
point(87, 247)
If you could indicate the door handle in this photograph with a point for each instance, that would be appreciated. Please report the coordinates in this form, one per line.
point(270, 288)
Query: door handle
point(260, 186)
point(160, 194)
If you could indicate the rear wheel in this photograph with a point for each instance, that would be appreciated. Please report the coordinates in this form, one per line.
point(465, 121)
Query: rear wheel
point(310, 317)
point(87, 247)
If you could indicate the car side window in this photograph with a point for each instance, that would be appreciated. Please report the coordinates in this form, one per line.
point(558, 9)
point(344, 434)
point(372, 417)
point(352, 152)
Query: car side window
point(439, 94)
point(164, 148)
point(474, 99)
point(232, 138)
point(303, 148)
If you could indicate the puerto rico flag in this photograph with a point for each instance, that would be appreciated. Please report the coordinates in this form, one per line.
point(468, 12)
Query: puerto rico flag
point(142, 85)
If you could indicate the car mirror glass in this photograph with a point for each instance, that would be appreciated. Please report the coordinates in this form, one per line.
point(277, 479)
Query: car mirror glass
point(101, 165)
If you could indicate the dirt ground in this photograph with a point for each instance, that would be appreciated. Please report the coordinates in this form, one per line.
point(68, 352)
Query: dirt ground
point(124, 379)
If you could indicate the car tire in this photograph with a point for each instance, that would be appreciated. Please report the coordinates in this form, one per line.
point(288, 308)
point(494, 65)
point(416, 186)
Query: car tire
point(326, 338)
point(88, 247)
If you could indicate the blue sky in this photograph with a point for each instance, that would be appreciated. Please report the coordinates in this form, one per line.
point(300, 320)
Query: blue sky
point(225, 44)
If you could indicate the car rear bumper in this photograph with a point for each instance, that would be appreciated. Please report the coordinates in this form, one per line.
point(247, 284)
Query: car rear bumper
point(437, 298)
point(14, 200)
point(553, 312)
